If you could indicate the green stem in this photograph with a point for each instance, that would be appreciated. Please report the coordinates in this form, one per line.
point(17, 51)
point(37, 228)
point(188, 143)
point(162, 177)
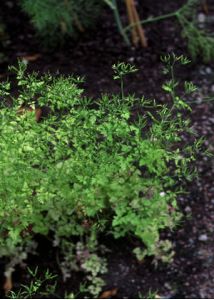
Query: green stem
point(203, 100)
point(151, 20)
point(122, 87)
point(173, 81)
point(119, 23)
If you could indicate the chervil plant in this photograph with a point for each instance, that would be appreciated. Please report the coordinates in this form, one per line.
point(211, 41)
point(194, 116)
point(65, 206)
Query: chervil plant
point(87, 169)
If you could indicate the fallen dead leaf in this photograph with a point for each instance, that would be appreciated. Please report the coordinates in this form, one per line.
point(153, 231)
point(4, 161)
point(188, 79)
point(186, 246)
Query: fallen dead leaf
point(32, 57)
point(108, 294)
point(8, 285)
point(38, 112)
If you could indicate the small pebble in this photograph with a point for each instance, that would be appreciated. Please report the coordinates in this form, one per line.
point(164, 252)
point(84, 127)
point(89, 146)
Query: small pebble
point(191, 241)
point(203, 238)
point(201, 18)
point(131, 59)
point(188, 209)
point(208, 70)
point(198, 100)
point(167, 286)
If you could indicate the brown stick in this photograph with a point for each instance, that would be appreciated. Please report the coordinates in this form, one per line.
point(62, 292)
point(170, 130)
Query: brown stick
point(205, 7)
point(139, 26)
point(134, 33)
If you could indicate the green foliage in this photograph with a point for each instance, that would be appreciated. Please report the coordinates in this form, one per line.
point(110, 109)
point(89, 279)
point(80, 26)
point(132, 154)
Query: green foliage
point(162, 251)
point(150, 295)
point(89, 168)
point(199, 42)
point(55, 19)
point(120, 71)
point(38, 286)
point(94, 266)
point(114, 6)
point(84, 257)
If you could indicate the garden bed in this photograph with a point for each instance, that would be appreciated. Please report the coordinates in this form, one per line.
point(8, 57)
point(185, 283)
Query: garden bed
point(191, 274)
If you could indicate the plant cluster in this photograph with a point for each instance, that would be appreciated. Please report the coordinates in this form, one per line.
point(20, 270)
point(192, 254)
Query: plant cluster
point(199, 42)
point(89, 168)
point(56, 19)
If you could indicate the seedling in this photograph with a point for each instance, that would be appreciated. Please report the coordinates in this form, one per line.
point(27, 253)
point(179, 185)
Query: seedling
point(121, 70)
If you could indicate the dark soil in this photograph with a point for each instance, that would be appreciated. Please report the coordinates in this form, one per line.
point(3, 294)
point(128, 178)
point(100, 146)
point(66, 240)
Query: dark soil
point(191, 275)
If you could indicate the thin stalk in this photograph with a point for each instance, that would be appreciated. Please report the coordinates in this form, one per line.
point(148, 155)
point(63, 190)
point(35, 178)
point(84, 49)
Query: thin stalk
point(119, 23)
point(139, 27)
point(203, 100)
point(173, 81)
point(122, 87)
point(151, 20)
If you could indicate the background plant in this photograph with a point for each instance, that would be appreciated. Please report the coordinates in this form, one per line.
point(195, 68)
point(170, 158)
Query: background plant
point(199, 42)
point(54, 20)
point(88, 169)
